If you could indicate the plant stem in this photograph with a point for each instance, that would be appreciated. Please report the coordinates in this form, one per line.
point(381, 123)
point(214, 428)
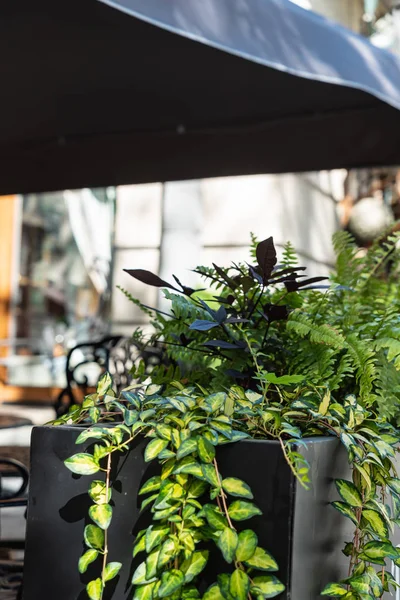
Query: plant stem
point(223, 496)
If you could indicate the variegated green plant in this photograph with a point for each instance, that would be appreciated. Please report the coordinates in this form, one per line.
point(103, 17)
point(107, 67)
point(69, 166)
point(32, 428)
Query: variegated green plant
point(267, 357)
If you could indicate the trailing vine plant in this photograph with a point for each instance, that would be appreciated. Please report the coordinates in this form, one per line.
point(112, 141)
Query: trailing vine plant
point(267, 357)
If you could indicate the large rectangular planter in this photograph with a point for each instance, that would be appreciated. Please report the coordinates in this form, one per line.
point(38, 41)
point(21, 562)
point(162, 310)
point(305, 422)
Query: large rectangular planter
point(302, 531)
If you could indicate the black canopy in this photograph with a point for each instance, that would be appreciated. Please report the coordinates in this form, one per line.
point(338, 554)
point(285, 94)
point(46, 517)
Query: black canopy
point(147, 90)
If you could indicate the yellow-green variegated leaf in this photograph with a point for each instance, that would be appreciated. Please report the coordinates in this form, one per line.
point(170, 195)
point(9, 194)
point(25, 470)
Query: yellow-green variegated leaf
point(334, 590)
point(144, 592)
point(237, 487)
point(213, 593)
point(94, 537)
point(194, 565)
point(239, 584)
point(376, 522)
point(206, 450)
point(241, 510)
point(269, 585)
point(247, 544)
point(227, 543)
point(262, 560)
point(98, 492)
point(82, 464)
point(349, 492)
point(155, 535)
point(95, 589)
point(171, 581)
point(112, 570)
point(154, 448)
point(86, 559)
point(101, 514)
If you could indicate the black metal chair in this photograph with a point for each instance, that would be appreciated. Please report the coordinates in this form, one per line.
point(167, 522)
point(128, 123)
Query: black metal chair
point(11, 571)
point(116, 354)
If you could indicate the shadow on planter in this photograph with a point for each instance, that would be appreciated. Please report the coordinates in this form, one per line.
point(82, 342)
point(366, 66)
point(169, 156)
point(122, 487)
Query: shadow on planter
point(298, 527)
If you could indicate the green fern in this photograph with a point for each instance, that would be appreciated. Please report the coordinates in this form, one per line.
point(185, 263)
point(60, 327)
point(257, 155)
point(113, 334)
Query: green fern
point(319, 334)
point(289, 256)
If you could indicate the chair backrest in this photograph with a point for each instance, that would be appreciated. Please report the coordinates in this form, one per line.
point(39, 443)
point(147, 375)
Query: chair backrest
point(87, 361)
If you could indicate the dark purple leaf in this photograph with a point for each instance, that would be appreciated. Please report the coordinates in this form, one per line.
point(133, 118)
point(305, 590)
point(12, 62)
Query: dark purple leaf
point(255, 275)
point(222, 344)
point(266, 257)
point(220, 315)
point(228, 280)
point(188, 291)
point(281, 272)
point(311, 280)
point(290, 277)
point(149, 278)
point(203, 325)
point(276, 312)
point(228, 300)
point(236, 320)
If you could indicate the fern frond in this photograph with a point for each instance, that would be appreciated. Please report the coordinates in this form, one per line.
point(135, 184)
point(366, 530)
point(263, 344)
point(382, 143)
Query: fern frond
point(363, 359)
point(320, 334)
point(289, 256)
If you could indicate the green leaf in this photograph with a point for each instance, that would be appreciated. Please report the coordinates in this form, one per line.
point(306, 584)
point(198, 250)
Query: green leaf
point(154, 448)
point(214, 593)
point(112, 570)
point(94, 537)
point(335, 590)
point(394, 484)
point(86, 559)
point(140, 546)
point(269, 585)
point(247, 544)
point(82, 464)
point(151, 564)
point(164, 431)
point(168, 551)
point(101, 514)
point(104, 384)
point(139, 576)
point(171, 581)
point(349, 492)
point(378, 550)
point(227, 543)
point(262, 560)
point(92, 432)
point(194, 565)
point(98, 492)
point(95, 589)
point(197, 488)
point(360, 583)
point(346, 510)
point(206, 450)
point(190, 467)
point(187, 447)
point(237, 487)
point(155, 535)
point(214, 517)
point(241, 510)
point(144, 592)
point(376, 522)
point(210, 474)
point(151, 485)
point(239, 584)
point(130, 416)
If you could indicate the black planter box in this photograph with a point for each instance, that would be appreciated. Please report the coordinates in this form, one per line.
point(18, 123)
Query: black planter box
point(302, 531)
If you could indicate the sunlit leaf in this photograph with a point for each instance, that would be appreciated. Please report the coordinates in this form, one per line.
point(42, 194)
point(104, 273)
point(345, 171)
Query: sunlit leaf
point(237, 487)
point(82, 464)
point(86, 559)
point(241, 510)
